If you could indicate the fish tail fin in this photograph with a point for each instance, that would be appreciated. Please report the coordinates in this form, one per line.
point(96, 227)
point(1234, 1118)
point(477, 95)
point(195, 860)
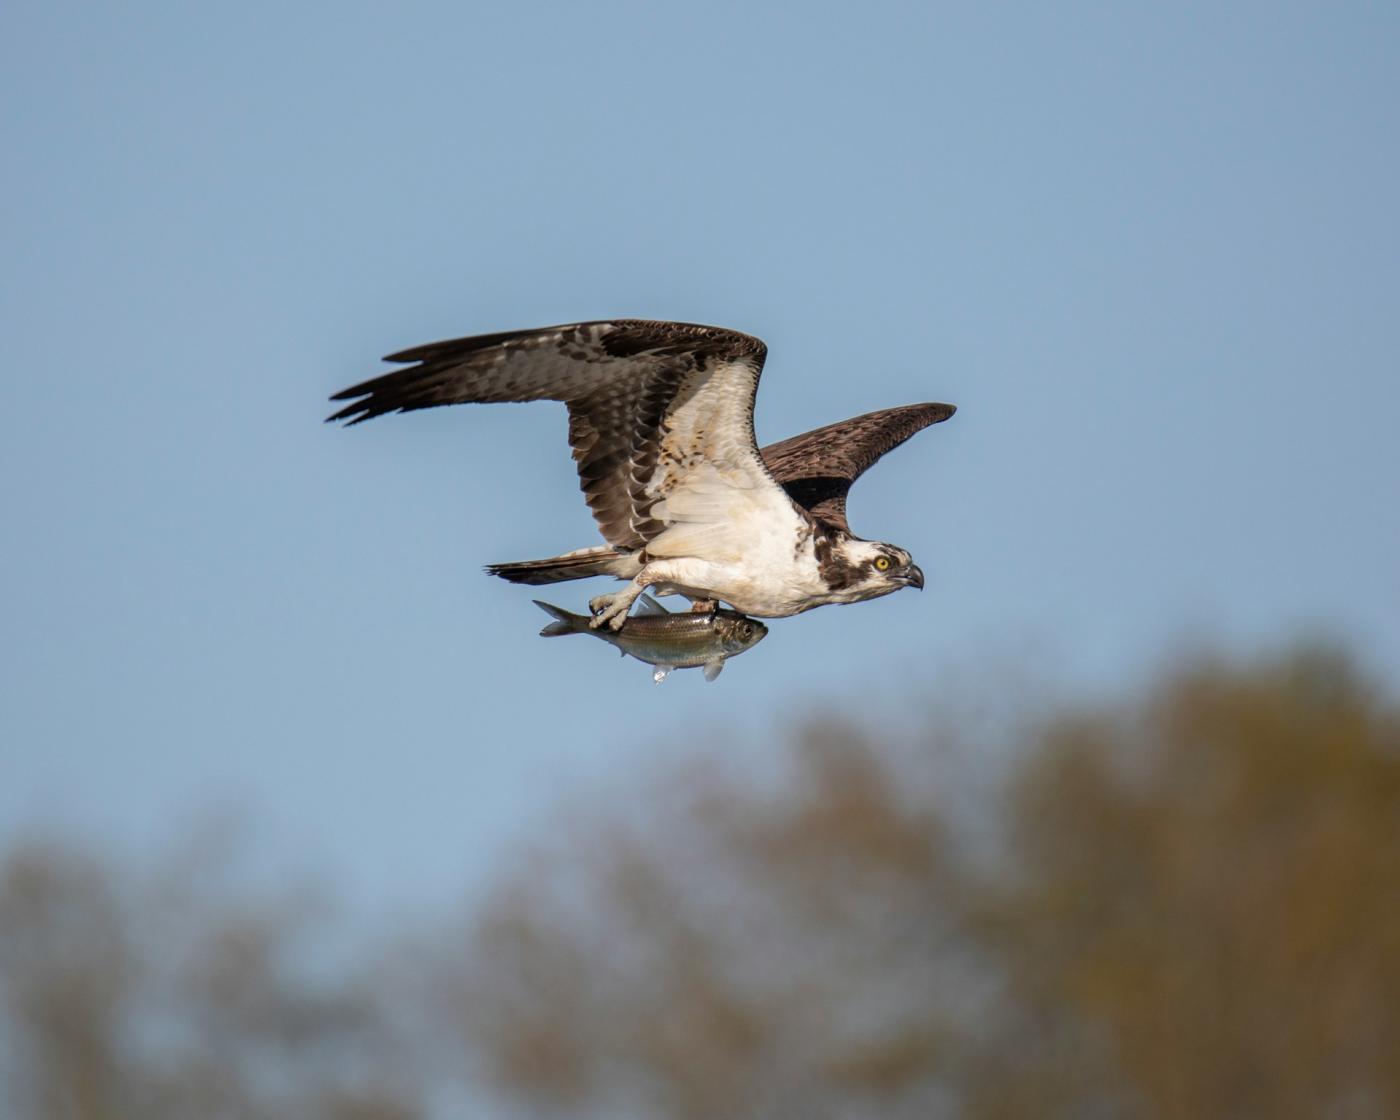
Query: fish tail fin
point(564, 621)
point(602, 561)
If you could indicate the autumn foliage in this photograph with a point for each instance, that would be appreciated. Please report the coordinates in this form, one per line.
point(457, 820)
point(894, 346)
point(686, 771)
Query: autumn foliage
point(1185, 905)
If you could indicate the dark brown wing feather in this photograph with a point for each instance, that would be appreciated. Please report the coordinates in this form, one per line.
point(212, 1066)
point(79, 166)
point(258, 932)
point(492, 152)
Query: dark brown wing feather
point(619, 380)
point(818, 468)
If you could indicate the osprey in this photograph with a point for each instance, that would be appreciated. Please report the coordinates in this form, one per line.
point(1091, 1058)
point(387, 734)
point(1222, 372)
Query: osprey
point(661, 426)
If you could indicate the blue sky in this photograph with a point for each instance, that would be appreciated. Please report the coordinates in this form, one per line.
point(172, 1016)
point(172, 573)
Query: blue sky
point(1151, 252)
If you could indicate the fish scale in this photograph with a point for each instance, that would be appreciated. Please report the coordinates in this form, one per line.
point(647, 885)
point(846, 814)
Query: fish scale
point(688, 640)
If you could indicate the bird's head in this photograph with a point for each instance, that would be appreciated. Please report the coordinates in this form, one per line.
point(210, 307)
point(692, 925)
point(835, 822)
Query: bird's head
point(856, 569)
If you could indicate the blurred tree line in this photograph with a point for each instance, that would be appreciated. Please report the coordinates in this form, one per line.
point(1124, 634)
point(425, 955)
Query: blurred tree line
point(1186, 905)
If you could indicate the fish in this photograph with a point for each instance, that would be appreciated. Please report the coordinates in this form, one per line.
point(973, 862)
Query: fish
point(667, 640)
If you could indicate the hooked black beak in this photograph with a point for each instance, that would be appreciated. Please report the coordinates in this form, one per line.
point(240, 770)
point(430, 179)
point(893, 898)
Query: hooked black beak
point(914, 577)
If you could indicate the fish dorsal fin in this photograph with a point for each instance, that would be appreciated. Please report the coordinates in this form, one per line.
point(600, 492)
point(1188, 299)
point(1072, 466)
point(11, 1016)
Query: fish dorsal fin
point(713, 669)
point(647, 605)
point(661, 671)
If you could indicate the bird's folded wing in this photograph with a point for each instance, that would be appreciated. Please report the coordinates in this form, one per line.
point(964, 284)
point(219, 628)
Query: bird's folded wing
point(660, 418)
point(818, 468)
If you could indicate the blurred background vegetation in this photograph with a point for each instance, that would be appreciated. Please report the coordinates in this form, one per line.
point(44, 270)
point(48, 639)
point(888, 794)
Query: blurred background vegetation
point(1185, 903)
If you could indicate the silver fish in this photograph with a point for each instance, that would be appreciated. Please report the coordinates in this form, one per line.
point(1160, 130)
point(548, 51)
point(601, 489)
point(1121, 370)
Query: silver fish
point(683, 640)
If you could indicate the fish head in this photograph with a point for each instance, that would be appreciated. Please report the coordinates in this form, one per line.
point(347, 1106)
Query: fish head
point(738, 632)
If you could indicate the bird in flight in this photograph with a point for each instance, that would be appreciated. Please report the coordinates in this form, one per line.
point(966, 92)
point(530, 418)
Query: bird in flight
point(661, 426)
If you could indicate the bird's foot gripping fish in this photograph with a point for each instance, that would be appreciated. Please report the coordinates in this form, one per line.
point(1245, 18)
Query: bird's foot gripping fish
point(688, 640)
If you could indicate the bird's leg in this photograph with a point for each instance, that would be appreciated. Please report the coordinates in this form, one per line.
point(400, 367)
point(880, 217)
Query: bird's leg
point(611, 610)
point(704, 606)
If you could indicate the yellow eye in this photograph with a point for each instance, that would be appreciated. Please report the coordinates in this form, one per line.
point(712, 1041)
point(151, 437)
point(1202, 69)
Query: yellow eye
point(882, 563)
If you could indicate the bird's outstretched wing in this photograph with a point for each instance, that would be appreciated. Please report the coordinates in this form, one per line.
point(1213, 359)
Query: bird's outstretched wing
point(660, 419)
point(818, 467)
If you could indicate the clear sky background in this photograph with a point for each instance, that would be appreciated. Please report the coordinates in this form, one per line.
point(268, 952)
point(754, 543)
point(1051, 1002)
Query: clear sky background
point(1152, 252)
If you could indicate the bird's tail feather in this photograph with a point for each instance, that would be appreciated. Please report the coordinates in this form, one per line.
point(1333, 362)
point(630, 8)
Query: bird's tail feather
point(601, 561)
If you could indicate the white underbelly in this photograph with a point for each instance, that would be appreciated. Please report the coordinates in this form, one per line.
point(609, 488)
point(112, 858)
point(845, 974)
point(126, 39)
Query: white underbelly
point(761, 590)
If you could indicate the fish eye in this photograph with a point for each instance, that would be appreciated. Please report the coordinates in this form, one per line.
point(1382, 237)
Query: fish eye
point(882, 563)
